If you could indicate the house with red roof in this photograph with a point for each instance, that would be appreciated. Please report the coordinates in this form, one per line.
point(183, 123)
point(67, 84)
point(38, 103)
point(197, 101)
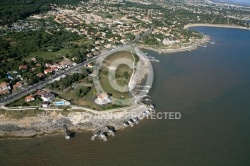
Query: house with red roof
point(47, 71)
point(4, 88)
point(17, 86)
point(40, 75)
point(102, 99)
point(23, 67)
point(29, 98)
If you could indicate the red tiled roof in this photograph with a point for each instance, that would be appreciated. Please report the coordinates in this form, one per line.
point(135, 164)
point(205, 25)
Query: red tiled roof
point(40, 75)
point(65, 63)
point(23, 67)
point(103, 95)
point(17, 85)
point(38, 93)
point(30, 97)
point(47, 71)
point(3, 84)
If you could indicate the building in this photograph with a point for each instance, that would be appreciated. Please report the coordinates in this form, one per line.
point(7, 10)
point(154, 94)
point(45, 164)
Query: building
point(17, 85)
point(29, 98)
point(102, 99)
point(33, 59)
point(4, 88)
point(45, 104)
point(65, 64)
point(40, 75)
point(23, 67)
point(90, 65)
point(38, 93)
point(9, 76)
point(47, 96)
point(47, 71)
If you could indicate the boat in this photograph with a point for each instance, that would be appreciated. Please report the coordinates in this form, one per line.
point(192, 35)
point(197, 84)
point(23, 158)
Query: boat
point(67, 135)
point(130, 123)
point(125, 124)
point(152, 106)
point(111, 132)
point(103, 137)
point(136, 120)
point(150, 57)
point(154, 60)
point(67, 132)
point(146, 113)
point(95, 135)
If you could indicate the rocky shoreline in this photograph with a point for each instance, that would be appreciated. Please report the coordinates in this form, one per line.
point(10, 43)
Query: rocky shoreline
point(52, 122)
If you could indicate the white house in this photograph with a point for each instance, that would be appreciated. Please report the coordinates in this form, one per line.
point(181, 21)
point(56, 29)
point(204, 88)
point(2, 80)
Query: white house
point(102, 99)
point(47, 97)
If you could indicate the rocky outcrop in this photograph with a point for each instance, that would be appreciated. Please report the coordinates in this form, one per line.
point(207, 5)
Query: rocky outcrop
point(53, 122)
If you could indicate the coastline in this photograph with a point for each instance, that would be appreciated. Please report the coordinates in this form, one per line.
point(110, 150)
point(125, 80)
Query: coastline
point(193, 45)
point(181, 48)
point(51, 121)
point(215, 25)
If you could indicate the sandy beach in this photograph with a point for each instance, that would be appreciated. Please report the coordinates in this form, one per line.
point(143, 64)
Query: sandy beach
point(214, 25)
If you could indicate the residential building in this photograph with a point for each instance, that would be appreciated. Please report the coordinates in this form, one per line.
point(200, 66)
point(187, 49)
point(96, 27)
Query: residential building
point(45, 104)
point(102, 99)
point(40, 75)
point(17, 85)
point(47, 71)
point(47, 96)
point(4, 88)
point(29, 98)
point(23, 67)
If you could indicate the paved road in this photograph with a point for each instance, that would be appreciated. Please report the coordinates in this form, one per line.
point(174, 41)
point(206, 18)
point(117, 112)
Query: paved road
point(42, 84)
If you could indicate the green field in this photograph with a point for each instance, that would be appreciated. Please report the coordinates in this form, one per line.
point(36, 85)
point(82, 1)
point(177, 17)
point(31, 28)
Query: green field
point(18, 114)
point(122, 74)
point(121, 78)
point(50, 55)
point(22, 102)
point(84, 41)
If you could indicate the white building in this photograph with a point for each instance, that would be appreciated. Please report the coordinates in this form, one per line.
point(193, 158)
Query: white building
point(102, 99)
point(47, 97)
